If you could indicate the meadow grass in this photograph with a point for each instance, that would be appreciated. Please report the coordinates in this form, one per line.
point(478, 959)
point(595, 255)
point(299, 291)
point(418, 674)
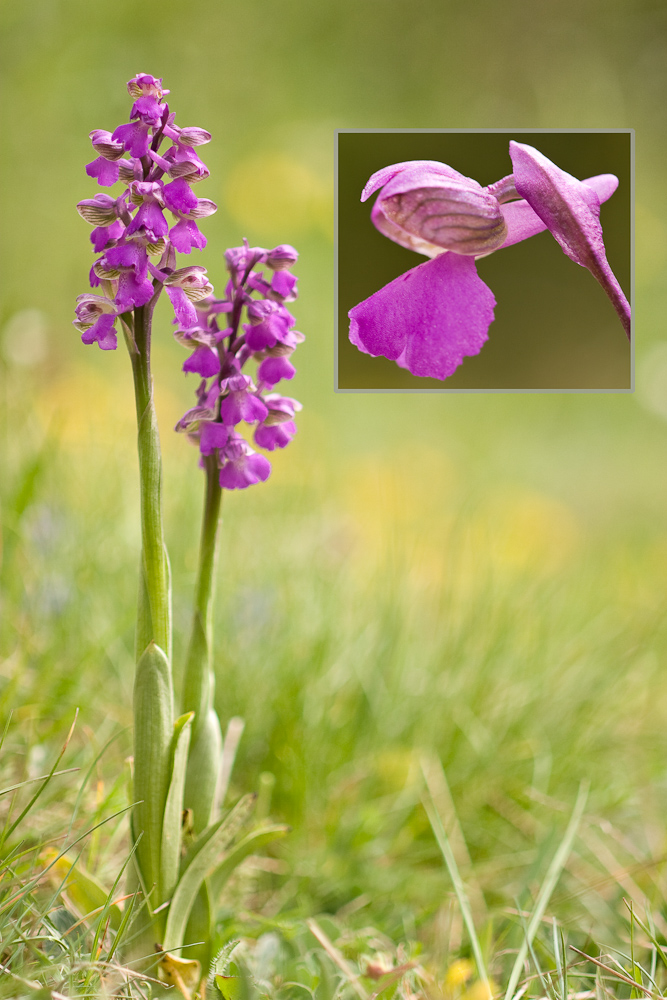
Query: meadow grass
point(414, 647)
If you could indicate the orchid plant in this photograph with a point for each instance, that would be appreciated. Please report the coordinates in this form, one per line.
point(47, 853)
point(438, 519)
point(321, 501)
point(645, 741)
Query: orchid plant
point(184, 848)
point(433, 316)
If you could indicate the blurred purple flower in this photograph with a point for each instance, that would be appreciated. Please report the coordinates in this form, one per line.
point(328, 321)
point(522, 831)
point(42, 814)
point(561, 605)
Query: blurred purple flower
point(429, 319)
point(221, 351)
point(241, 466)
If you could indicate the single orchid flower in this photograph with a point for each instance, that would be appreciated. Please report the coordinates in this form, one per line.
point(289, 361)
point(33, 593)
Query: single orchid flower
point(433, 316)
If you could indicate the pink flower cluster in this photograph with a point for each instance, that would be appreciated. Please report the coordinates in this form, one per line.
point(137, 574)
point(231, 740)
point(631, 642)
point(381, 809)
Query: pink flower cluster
point(132, 228)
point(221, 345)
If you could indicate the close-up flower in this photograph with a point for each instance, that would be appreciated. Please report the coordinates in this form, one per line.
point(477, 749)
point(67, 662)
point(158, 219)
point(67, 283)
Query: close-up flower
point(429, 319)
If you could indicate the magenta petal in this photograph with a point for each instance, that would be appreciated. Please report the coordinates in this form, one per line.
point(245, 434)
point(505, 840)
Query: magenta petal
point(185, 235)
point(204, 361)
point(102, 332)
point(272, 370)
point(434, 316)
point(129, 254)
point(132, 292)
point(185, 312)
point(104, 170)
point(151, 218)
point(604, 185)
point(570, 209)
point(134, 137)
point(284, 284)
point(275, 435)
point(259, 336)
point(522, 222)
point(213, 435)
point(244, 471)
point(102, 235)
point(242, 405)
point(179, 197)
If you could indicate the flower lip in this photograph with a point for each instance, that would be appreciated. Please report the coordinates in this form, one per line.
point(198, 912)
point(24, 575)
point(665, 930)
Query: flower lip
point(429, 318)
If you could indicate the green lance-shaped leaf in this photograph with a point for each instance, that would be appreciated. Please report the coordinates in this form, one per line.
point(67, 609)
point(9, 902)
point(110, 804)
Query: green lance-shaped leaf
point(170, 855)
point(204, 769)
point(153, 714)
point(140, 933)
point(198, 932)
point(205, 863)
point(225, 830)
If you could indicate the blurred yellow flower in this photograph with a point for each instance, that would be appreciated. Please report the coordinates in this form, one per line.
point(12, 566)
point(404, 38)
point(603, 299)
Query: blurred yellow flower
point(279, 196)
point(459, 972)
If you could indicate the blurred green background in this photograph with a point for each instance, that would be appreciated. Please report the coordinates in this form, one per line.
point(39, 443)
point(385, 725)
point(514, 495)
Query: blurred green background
point(554, 326)
point(482, 576)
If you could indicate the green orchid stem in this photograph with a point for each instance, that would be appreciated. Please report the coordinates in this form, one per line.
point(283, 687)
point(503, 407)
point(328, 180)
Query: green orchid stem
point(153, 685)
point(199, 679)
point(154, 619)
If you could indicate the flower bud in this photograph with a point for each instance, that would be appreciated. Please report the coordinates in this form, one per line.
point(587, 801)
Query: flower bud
point(454, 213)
point(145, 85)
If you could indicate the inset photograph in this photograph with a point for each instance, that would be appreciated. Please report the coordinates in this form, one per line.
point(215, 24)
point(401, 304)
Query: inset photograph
point(489, 261)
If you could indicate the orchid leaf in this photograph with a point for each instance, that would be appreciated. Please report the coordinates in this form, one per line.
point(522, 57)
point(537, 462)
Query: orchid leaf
point(170, 855)
point(152, 742)
point(224, 830)
point(207, 862)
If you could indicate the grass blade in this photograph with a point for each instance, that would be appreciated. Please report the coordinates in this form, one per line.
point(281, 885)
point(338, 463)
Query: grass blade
point(548, 886)
point(7, 833)
point(457, 881)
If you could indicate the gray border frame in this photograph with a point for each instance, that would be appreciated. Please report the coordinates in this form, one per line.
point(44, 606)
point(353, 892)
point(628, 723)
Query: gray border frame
point(506, 131)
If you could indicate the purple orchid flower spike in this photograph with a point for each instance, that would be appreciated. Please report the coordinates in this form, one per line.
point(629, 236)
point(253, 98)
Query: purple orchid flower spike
point(431, 318)
point(132, 227)
point(224, 345)
point(571, 211)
